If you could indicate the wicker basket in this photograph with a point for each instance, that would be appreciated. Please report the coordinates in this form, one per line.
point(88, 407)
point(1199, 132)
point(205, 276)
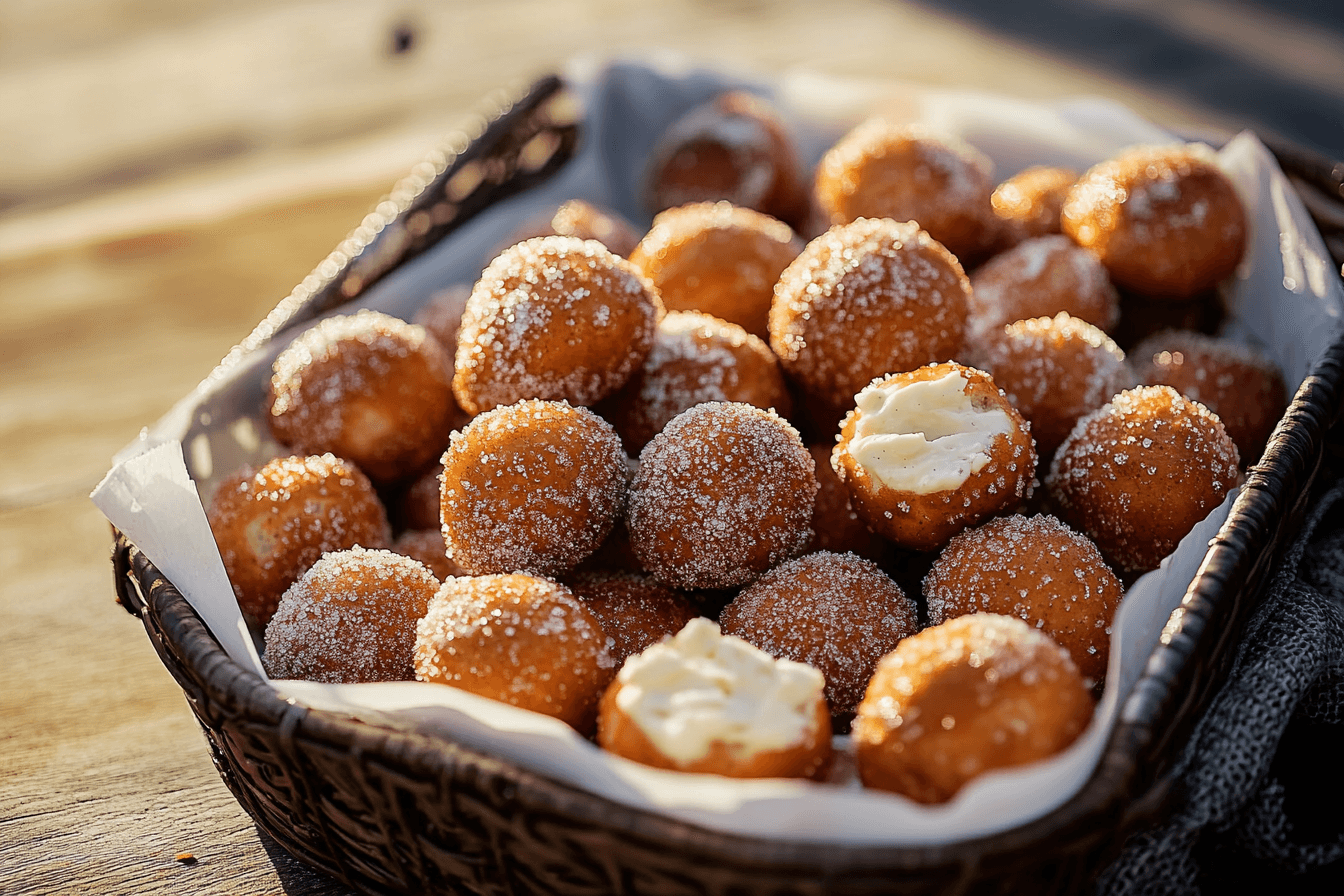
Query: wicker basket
point(390, 811)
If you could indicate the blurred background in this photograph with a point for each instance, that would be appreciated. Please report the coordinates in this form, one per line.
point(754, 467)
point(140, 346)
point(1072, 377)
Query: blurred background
point(170, 169)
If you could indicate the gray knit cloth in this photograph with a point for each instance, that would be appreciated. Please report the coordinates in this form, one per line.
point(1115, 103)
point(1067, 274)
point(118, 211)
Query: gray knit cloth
point(1262, 779)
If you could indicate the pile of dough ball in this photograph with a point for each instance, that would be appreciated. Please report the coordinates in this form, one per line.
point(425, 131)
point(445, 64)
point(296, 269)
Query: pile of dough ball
point(858, 450)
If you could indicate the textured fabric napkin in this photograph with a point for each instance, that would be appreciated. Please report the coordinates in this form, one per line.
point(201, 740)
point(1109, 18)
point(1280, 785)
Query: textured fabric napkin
point(1262, 778)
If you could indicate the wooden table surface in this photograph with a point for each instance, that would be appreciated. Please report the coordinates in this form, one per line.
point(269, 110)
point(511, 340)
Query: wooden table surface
point(130, 265)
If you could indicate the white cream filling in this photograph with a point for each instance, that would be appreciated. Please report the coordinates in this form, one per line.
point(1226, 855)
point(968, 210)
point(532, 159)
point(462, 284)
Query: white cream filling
point(702, 686)
point(924, 437)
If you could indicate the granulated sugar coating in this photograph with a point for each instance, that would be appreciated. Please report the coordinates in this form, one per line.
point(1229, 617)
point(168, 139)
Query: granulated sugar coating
point(272, 523)
point(1054, 370)
point(634, 610)
point(926, 453)
point(524, 640)
point(722, 494)
point(976, 693)
point(866, 299)
point(553, 318)
point(1038, 570)
point(837, 612)
point(717, 258)
point(1164, 220)
point(367, 387)
point(1041, 278)
point(1028, 203)
point(1238, 383)
point(535, 486)
point(1137, 474)
point(695, 358)
point(350, 618)
point(909, 173)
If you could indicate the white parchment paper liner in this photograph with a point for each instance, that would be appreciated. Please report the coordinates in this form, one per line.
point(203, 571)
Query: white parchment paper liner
point(1286, 298)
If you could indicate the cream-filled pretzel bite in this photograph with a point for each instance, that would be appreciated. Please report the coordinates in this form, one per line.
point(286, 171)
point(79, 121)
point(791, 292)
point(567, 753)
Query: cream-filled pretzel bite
point(711, 703)
point(929, 452)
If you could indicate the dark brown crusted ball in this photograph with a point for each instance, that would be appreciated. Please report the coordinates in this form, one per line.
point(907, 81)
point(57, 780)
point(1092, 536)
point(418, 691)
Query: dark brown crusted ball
point(1137, 474)
point(272, 523)
point(837, 612)
point(863, 300)
point(534, 486)
point(723, 493)
point(1164, 220)
point(553, 318)
point(366, 387)
point(351, 617)
point(1037, 569)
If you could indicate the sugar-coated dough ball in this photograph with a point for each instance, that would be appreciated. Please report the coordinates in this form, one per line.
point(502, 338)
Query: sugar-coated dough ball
point(734, 148)
point(1137, 474)
point(272, 523)
point(351, 617)
point(554, 318)
point(717, 258)
point(977, 693)
point(520, 639)
point(1041, 277)
point(1028, 203)
point(634, 610)
point(535, 486)
point(441, 316)
point(908, 173)
point(582, 220)
point(1054, 370)
point(1241, 385)
point(837, 612)
point(866, 299)
point(695, 358)
point(366, 387)
point(723, 493)
point(929, 452)
point(428, 546)
point(1038, 570)
point(1164, 220)
point(713, 704)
